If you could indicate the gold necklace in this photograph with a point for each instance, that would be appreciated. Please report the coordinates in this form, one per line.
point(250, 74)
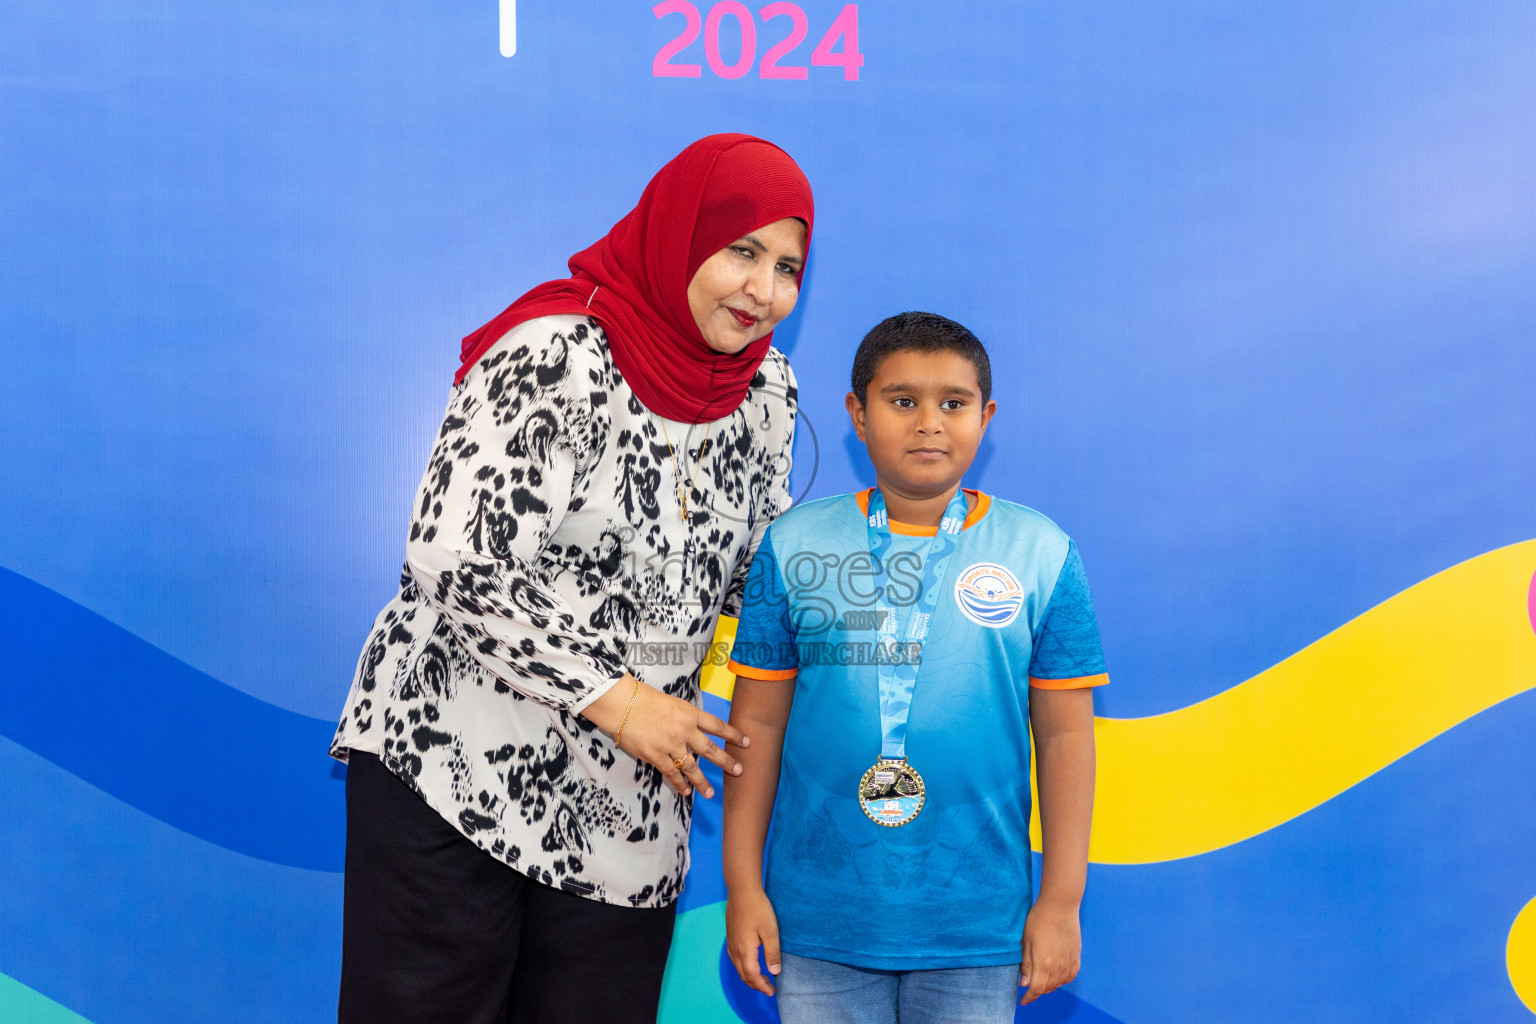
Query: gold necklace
point(677, 472)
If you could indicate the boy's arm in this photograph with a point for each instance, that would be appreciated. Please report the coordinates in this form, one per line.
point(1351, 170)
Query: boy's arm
point(1062, 724)
point(748, 807)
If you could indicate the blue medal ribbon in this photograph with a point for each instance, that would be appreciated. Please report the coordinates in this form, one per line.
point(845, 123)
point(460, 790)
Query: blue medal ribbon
point(897, 662)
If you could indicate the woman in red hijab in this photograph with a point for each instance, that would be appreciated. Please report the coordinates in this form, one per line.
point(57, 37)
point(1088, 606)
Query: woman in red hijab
point(524, 732)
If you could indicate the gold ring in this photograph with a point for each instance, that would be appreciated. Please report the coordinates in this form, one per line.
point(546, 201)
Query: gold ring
point(677, 763)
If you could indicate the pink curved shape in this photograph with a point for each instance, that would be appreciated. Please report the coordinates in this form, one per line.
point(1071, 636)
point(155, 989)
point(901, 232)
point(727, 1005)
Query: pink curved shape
point(1530, 603)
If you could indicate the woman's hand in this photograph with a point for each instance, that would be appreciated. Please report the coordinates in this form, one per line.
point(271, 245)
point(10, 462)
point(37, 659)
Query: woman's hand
point(749, 923)
point(668, 733)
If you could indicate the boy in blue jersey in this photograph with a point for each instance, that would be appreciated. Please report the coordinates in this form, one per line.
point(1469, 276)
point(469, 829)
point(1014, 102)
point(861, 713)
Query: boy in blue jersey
point(896, 649)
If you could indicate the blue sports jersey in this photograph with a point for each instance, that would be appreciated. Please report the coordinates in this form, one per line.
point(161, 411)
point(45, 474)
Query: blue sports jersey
point(951, 888)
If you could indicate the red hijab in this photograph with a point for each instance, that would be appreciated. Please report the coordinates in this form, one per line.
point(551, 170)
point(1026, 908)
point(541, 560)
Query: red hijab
point(634, 280)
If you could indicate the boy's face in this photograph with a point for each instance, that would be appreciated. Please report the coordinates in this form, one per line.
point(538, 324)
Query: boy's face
point(922, 420)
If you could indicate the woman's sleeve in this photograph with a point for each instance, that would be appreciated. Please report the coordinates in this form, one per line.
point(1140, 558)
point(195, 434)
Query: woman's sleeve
point(497, 485)
point(771, 490)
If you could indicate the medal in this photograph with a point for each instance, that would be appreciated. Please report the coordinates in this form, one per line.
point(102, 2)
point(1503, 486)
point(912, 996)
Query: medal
point(892, 792)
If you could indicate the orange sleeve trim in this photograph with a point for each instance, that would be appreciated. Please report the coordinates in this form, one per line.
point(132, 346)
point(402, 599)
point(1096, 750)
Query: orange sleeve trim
point(760, 673)
point(1078, 683)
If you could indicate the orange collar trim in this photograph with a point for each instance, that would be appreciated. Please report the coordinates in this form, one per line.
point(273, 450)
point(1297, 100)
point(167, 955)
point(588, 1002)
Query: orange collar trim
point(983, 505)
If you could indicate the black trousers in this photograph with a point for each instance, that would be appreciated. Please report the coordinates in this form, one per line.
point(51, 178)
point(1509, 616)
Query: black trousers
point(437, 931)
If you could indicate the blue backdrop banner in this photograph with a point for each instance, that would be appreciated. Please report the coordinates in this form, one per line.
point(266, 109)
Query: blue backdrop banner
point(1256, 280)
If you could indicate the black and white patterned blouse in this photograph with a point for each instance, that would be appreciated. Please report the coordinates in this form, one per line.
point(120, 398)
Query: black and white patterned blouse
point(546, 556)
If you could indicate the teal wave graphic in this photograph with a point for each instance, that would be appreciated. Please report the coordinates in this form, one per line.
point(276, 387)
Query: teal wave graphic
point(22, 1005)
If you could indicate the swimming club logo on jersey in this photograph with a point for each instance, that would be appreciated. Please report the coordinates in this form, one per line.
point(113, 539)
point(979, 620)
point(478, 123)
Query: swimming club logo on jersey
point(989, 595)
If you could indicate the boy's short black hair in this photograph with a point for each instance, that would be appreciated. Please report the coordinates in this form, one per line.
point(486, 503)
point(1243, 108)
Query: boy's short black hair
point(921, 332)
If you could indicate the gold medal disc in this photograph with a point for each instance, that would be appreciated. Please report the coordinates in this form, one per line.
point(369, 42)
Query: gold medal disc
point(892, 793)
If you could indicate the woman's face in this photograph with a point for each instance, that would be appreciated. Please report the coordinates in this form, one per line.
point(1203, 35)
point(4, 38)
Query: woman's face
point(744, 290)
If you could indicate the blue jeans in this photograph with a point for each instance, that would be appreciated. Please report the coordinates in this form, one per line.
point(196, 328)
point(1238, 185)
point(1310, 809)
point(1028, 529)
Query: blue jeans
point(822, 992)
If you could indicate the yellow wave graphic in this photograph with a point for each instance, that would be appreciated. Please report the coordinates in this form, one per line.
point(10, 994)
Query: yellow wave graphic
point(1334, 713)
point(717, 679)
point(1520, 955)
point(1272, 748)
